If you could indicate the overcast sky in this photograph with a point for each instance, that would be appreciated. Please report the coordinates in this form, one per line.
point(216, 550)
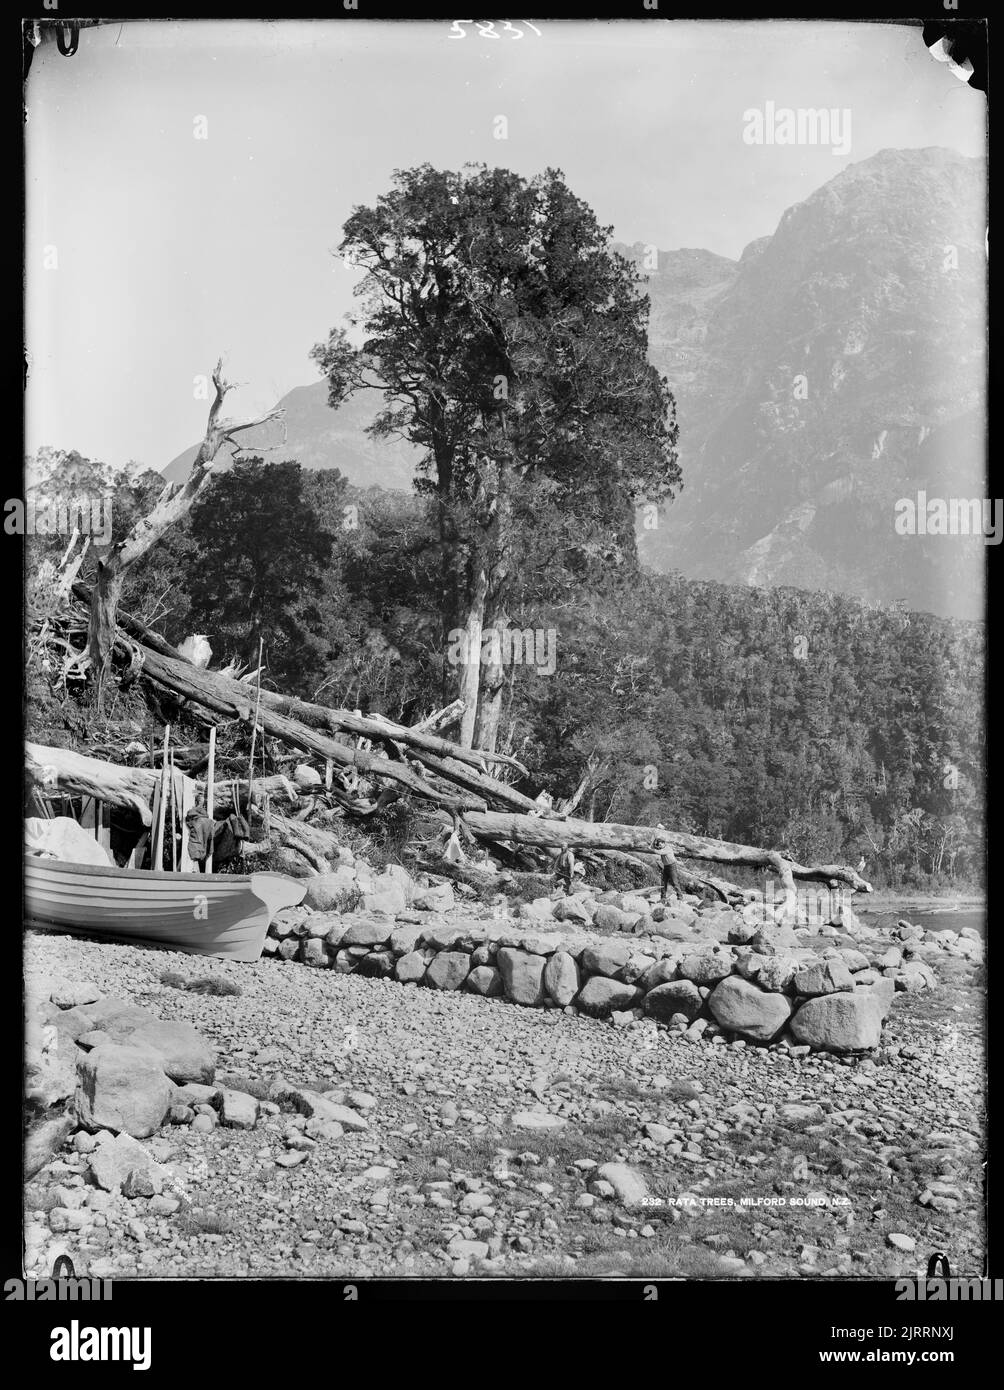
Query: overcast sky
point(171, 249)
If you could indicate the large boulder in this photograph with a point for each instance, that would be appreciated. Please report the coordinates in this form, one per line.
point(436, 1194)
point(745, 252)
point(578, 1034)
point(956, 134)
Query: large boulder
point(717, 923)
point(636, 968)
point(706, 967)
point(610, 918)
point(540, 943)
point(377, 965)
point(337, 891)
point(824, 977)
point(916, 976)
point(484, 980)
point(854, 960)
point(742, 932)
point(410, 967)
point(313, 952)
point(674, 997)
point(442, 937)
point(572, 910)
point(660, 973)
point(389, 892)
point(881, 990)
point(774, 941)
point(318, 1107)
point(675, 913)
point(539, 910)
point(561, 978)
point(437, 898)
point(748, 963)
point(404, 939)
point(367, 931)
point(847, 1021)
point(238, 1110)
point(121, 1164)
point(88, 1018)
point(606, 958)
point(447, 970)
point(522, 975)
point(634, 905)
point(69, 996)
point(122, 1088)
point(182, 1052)
point(601, 996)
point(751, 1012)
point(776, 972)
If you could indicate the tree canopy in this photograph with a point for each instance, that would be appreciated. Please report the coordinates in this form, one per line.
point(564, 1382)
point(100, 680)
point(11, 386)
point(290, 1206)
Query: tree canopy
point(509, 343)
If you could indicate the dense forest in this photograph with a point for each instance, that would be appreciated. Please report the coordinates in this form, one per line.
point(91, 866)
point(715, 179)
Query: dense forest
point(806, 720)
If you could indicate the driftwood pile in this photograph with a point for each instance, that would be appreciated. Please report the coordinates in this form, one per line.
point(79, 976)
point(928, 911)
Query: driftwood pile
point(370, 760)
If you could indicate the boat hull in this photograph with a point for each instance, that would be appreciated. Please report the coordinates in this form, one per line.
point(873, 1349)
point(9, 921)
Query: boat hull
point(226, 915)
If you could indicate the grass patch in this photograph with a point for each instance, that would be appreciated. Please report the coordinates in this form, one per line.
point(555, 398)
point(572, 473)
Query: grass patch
point(200, 1221)
point(475, 1155)
point(200, 984)
point(250, 1085)
point(480, 1155)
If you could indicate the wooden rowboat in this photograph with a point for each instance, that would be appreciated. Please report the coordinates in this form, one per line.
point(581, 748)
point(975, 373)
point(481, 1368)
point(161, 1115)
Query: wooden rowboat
point(225, 915)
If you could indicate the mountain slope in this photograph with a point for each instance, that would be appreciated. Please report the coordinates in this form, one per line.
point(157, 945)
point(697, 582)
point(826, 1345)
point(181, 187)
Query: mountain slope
point(837, 367)
point(319, 437)
point(839, 370)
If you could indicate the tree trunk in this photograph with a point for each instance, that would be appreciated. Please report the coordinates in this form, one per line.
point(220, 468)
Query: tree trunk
point(101, 631)
point(489, 708)
point(470, 669)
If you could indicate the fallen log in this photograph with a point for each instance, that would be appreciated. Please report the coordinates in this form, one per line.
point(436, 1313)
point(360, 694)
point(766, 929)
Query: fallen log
point(63, 771)
point(479, 782)
point(276, 786)
point(643, 839)
point(224, 696)
point(334, 720)
point(485, 882)
point(442, 719)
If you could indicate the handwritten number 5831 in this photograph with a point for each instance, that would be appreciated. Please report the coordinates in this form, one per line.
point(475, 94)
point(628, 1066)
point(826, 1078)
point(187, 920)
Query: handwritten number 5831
point(487, 28)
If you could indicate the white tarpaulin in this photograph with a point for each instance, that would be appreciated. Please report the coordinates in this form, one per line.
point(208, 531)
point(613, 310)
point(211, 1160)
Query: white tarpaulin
point(62, 838)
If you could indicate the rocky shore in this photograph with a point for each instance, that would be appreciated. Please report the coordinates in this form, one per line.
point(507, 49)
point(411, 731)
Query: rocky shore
point(330, 1123)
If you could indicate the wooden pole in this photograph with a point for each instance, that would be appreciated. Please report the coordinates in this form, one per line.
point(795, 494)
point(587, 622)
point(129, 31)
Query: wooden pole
point(157, 852)
point(254, 726)
point(210, 773)
point(174, 816)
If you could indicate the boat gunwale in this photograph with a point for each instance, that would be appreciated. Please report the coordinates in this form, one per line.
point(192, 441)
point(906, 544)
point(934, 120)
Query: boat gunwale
point(116, 872)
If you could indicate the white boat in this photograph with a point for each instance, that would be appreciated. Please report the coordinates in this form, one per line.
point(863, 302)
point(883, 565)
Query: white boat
point(226, 915)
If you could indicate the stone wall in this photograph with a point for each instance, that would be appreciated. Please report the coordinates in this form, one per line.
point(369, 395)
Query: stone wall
point(761, 984)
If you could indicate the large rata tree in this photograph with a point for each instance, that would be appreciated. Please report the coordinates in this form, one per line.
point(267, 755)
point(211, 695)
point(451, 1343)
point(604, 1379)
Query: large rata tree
point(509, 343)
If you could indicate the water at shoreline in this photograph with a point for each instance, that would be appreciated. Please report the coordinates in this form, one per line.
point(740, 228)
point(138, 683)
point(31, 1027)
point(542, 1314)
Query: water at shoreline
point(930, 917)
